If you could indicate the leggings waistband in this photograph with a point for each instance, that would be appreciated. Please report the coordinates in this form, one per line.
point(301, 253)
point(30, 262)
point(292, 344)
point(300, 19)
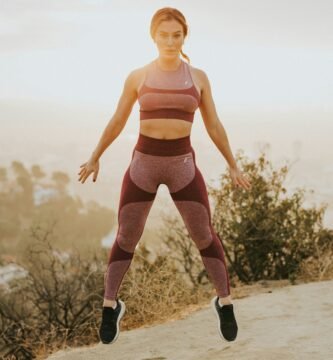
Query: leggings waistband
point(163, 147)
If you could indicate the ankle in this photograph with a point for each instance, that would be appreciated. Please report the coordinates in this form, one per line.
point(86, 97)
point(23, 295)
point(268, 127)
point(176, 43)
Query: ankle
point(224, 300)
point(109, 303)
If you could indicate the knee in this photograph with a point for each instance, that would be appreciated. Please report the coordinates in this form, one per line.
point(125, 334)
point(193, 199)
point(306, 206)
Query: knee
point(202, 237)
point(128, 236)
point(214, 249)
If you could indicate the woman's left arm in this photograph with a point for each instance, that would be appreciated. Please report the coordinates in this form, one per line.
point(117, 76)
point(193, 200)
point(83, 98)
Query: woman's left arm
point(216, 130)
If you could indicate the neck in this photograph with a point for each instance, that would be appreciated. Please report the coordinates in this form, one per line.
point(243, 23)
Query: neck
point(168, 64)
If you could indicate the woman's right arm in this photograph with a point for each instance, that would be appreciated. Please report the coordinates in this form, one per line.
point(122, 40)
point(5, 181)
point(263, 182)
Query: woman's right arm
point(114, 127)
point(120, 117)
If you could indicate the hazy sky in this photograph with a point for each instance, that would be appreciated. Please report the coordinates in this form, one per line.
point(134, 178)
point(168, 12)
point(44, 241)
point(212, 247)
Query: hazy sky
point(63, 64)
point(263, 54)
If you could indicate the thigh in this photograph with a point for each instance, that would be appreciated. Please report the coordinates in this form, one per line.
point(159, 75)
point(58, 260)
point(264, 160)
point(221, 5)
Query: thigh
point(134, 206)
point(195, 190)
point(146, 171)
point(193, 205)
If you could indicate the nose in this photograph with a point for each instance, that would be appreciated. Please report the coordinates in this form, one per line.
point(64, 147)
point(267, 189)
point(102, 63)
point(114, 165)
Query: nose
point(170, 41)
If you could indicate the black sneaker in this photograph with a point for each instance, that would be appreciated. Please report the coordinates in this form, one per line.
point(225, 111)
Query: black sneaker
point(109, 329)
point(227, 324)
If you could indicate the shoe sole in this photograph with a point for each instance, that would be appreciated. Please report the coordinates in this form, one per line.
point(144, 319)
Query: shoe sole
point(212, 303)
point(121, 314)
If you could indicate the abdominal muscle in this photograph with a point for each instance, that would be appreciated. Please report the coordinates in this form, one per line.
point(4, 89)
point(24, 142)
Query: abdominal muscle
point(165, 128)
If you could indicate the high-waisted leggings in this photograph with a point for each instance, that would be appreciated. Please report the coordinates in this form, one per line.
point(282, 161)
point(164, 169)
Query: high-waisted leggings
point(170, 162)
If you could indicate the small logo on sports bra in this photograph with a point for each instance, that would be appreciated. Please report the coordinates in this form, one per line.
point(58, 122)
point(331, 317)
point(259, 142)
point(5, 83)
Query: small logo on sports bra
point(186, 82)
point(185, 160)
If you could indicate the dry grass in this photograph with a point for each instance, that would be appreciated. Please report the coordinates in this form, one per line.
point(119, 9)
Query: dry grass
point(158, 292)
point(319, 266)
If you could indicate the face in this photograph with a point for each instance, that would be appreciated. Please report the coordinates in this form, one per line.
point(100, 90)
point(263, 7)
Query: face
point(169, 38)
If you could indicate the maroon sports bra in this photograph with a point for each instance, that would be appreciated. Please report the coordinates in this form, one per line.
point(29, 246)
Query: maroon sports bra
point(168, 94)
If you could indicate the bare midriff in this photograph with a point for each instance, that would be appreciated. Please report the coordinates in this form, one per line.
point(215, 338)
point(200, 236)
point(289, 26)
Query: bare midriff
point(165, 128)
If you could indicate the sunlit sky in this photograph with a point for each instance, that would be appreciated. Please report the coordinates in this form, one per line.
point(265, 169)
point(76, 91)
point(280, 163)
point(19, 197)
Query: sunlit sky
point(263, 54)
point(63, 64)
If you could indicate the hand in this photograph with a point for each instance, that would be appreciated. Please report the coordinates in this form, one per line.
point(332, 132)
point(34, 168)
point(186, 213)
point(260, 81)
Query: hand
point(238, 179)
point(89, 167)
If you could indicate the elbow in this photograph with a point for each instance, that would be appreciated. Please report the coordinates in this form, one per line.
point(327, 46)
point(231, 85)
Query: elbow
point(119, 119)
point(212, 128)
point(212, 133)
point(113, 128)
point(117, 122)
point(217, 130)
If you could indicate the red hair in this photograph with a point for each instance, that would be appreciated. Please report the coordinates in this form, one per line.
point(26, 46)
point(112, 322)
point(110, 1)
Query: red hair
point(166, 14)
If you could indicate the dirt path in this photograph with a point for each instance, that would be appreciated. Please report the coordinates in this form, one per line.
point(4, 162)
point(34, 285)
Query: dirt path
point(293, 322)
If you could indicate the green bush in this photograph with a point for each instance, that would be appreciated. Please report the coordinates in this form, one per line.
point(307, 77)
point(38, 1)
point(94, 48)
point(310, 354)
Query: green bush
point(266, 233)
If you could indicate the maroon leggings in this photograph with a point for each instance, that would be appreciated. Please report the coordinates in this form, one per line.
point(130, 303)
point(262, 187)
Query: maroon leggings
point(170, 162)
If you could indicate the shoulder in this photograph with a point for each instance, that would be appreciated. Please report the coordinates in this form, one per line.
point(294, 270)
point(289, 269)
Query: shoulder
point(140, 71)
point(136, 76)
point(200, 77)
point(199, 73)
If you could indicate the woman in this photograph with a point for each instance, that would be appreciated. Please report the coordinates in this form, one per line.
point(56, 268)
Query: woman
point(169, 91)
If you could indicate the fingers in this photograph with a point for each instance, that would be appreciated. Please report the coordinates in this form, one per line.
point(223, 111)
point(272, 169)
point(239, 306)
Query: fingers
point(83, 169)
point(246, 185)
point(95, 175)
point(84, 177)
point(84, 174)
point(242, 181)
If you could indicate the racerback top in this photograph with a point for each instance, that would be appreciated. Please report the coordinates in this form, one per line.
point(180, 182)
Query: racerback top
point(168, 94)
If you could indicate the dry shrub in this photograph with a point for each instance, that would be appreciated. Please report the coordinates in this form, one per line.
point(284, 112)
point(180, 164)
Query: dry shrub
point(154, 292)
point(319, 266)
point(58, 303)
